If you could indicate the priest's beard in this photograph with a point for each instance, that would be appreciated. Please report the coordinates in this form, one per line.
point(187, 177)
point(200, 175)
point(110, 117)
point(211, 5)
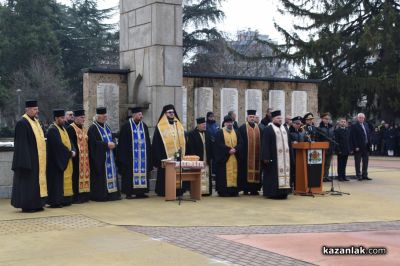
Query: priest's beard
point(170, 120)
point(79, 124)
point(229, 128)
point(277, 124)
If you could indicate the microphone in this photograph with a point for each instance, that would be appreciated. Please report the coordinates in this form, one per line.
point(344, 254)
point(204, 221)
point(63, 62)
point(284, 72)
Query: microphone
point(179, 153)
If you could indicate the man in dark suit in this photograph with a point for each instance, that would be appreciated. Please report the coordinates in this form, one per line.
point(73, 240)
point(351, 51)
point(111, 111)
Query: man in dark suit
point(360, 143)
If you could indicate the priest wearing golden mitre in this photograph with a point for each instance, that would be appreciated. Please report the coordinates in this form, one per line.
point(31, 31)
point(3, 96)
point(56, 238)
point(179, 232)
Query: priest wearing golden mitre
point(168, 140)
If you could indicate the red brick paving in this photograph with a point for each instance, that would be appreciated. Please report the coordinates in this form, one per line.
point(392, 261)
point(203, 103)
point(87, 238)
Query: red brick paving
point(307, 246)
point(206, 240)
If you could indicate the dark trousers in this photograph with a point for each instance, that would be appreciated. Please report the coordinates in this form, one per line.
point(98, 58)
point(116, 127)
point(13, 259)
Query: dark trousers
point(342, 162)
point(358, 157)
point(328, 159)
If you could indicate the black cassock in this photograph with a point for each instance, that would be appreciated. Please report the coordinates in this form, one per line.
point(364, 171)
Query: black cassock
point(125, 160)
point(221, 155)
point(25, 190)
point(195, 146)
point(78, 197)
point(242, 153)
point(270, 169)
point(57, 161)
point(159, 154)
point(97, 160)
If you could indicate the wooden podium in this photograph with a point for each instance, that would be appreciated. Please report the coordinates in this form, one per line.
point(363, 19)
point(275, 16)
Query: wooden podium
point(191, 171)
point(310, 159)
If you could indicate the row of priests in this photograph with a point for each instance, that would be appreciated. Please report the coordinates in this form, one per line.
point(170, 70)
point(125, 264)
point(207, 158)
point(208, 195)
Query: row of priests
point(76, 164)
point(250, 158)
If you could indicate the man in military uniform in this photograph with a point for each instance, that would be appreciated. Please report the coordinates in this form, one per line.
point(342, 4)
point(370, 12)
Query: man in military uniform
point(309, 129)
point(295, 130)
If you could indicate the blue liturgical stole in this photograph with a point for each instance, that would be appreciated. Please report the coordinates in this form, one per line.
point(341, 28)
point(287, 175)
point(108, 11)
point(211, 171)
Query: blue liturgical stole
point(139, 155)
point(111, 169)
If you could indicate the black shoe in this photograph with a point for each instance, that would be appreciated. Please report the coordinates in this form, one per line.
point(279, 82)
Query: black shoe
point(141, 196)
point(55, 206)
point(32, 210)
point(345, 179)
point(327, 179)
point(254, 193)
point(129, 197)
point(359, 178)
point(366, 178)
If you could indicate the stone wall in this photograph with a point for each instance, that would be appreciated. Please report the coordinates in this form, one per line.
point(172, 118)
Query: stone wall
point(217, 83)
point(202, 93)
point(113, 85)
point(6, 174)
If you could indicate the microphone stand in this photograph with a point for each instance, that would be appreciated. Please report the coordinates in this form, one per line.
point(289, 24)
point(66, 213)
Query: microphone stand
point(332, 191)
point(179, 158)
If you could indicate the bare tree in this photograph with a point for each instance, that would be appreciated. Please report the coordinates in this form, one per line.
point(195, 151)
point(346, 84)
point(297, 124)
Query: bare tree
point(42, 81)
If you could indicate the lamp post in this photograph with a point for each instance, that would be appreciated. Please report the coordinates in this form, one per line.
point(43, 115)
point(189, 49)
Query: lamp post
point(19, 101)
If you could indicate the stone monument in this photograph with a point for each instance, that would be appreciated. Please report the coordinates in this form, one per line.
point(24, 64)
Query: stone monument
point(151, 48)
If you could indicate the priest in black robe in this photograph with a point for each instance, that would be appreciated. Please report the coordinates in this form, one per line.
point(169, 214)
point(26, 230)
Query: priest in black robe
point(103, 170)
point(249, 156)
point(29, 190)
point(59, 163)
point(276, 156)
point(226, 157)
point(81, 167)
point(134, 156)
point(168, 141)
point(199, 143)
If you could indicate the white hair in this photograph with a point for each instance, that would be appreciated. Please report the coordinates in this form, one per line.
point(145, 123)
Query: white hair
point(361, 114)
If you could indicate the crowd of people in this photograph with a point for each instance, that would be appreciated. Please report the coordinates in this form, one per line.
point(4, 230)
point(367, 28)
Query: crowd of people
point(69, 164)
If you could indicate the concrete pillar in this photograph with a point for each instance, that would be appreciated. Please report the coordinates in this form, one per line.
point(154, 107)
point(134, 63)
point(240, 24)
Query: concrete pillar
point(151, 47)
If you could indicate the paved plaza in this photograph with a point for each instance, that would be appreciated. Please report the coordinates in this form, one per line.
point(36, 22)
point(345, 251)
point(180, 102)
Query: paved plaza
point(247, 230)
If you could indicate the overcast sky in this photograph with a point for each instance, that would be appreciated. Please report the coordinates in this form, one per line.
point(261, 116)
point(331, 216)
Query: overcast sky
point(239, 15)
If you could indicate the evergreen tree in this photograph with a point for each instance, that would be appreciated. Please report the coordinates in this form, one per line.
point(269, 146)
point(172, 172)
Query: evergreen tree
point(241, 56)
point(85, 40)
point(26, 33)
point(353, 46)
point(197, 17)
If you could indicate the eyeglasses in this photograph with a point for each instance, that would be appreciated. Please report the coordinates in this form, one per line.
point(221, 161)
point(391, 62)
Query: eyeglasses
point(170, 112)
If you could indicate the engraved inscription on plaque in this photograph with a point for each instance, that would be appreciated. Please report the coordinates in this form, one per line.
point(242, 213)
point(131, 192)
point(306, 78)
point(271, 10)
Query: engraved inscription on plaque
point(254, 101)
point(203, 101)
point(229, 101)
point(108, 96)
point(299, 103)
point(277, 100)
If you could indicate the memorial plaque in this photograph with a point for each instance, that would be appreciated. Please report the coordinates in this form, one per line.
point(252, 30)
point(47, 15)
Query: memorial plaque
point(277, 100)
point(254, 101)
point(229, 101)
point(203, 101)
point(299, 103)
point(108, 96)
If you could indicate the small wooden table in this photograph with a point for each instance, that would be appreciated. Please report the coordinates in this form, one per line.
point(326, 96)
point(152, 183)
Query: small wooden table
point(191, 171)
